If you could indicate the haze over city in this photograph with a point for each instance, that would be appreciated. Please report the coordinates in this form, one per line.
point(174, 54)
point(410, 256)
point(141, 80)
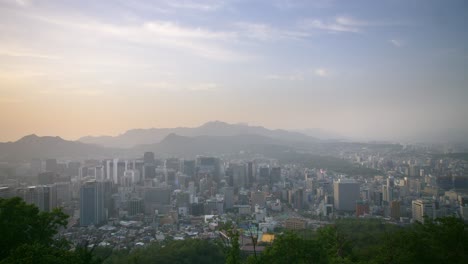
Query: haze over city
point(383, 70)
point(233, 131)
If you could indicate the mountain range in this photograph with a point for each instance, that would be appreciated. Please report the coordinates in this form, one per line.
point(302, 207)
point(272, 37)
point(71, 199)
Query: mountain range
point(137, 137)
point(33, 146)
point(211, 138)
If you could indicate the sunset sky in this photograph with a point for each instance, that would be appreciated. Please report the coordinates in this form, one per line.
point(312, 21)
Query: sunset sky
point(363, 69)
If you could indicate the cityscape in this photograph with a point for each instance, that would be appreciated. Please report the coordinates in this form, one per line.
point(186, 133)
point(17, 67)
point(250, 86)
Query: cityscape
point(233, 131)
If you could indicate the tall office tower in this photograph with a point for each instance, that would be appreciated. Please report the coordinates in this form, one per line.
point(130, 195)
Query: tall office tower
point(209, 166)
point(263, 175)
point(189, 168)
point(73, 169)
point(92, 211)
point(421, 208)
point(46, 197)
point(149, 172)
point(228, 197)
point(148, 158)
point(275, 175)
point(413, 171)
point(51, 165)
point(63, 193)
point(131, 177)
point(250, 172)
point(395, 212)
point(47, 177)
point(362, 208)
point(172, 164)
point(298, 199)
point(121, 168)
point(192, 189)
point(135, 206)
point(99, 173)
point(257, 198)
point(156, 199)
point(35, 167)
point(346, 193)
point(239, 175)
point(182, 199)
point(171, 177)
point(108, 169)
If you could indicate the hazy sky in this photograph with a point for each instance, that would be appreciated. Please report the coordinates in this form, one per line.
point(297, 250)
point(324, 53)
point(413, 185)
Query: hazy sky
point(380, 69)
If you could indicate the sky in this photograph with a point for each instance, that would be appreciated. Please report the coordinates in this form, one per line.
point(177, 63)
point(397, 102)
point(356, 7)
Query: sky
point(389, 70)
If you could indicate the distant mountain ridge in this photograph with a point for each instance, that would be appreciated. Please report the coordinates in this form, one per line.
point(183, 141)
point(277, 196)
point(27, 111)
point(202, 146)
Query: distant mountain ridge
point(136, 137)
point(33, 146)
point(182, 146)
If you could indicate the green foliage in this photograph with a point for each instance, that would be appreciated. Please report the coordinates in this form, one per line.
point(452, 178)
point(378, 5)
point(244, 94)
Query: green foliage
point(21, 223)
point(372, 241)
point(27, 236)
point(185, 251)
point(325, 162)
point(290, 248)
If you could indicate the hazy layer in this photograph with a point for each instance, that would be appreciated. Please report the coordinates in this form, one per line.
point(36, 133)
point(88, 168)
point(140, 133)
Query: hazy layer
point(386, 70)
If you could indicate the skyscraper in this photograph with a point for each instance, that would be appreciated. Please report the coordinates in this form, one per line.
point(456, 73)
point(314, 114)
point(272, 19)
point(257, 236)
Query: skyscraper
point(148, 158)
point(421, 208)
point(51, 165)
point(346, 193)
point(92, 211)
point(228, 197)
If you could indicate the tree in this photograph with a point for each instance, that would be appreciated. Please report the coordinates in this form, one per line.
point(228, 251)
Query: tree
point(22, 223)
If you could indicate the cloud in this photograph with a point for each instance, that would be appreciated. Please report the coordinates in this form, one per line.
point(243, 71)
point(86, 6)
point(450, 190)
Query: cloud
point(205, 87)
point(336, 25)
point(196, 5)
point(178, 87)
point(264, 32)
point(290, 77)
point(29, 55)
point(397, 43)
point(291, 4)
point(162, 85)
point(203, 42)
point(88, 92)
point(321, 72)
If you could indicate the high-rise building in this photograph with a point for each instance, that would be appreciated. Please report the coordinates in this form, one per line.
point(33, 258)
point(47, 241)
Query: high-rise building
point(421, 208)
point(63, 193)
point(92, 211)
point(275, 175)
point(239, 175)
point(135, 206)
point(51, 165)
point(148, 158)
point(257, 198)
point(250, 171)
point(172, 164)
point(264, 175)
point(395, 212)
point(346, 193)
point(47, 177)
point(46, 197)
point(362, 208)
point(149, 171)
point(228, 197)
point(298, 199)
point(189, 168)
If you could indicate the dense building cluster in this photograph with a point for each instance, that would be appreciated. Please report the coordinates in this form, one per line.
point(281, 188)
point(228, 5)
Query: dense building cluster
point(126, 203)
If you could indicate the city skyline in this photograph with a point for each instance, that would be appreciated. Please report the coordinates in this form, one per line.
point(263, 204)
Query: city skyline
point(391, 70)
